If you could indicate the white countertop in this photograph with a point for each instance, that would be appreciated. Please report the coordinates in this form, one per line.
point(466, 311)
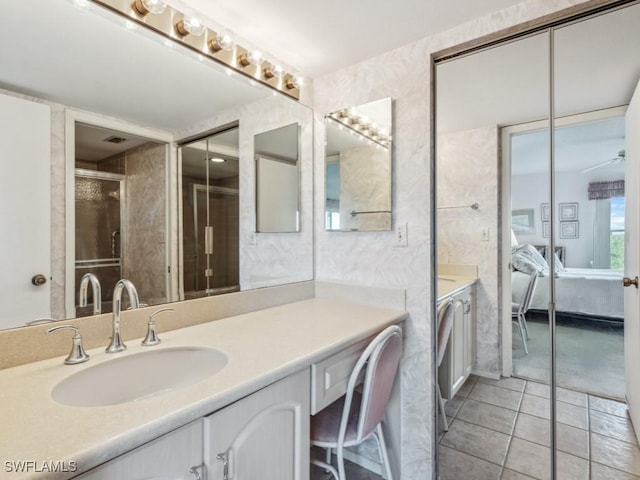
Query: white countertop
point(451, 284)
point(262, 347)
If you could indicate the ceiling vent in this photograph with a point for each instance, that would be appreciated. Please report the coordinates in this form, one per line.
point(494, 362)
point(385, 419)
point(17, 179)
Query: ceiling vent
point(115, 139)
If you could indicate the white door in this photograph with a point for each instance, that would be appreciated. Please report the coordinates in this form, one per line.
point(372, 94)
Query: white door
point(632, 261)
point(25, 154)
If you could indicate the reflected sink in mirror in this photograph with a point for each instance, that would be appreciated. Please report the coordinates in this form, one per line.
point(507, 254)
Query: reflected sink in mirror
point(139, 376)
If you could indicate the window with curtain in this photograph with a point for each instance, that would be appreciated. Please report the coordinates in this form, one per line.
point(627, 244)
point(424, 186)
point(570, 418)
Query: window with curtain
point(617, 232)
point(608, 241)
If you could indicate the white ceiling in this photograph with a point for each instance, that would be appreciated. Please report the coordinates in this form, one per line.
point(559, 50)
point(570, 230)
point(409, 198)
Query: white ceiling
point(319, 37)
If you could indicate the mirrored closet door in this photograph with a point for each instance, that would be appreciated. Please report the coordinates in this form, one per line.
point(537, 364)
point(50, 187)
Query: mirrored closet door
point(536, 198)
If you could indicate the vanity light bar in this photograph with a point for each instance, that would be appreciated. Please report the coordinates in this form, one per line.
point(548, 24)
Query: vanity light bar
point(188, 31)
point(352, 123)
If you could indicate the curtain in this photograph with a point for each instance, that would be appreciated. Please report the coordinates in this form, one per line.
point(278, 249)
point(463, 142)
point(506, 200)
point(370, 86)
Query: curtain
point(604, 190)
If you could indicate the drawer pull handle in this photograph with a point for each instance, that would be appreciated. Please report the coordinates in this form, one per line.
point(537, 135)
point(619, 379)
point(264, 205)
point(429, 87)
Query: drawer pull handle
point(194, 471)
point(225, 465)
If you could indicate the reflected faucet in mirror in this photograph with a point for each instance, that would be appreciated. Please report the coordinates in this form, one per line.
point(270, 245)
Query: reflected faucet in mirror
point(117, 345)
point(90, 278)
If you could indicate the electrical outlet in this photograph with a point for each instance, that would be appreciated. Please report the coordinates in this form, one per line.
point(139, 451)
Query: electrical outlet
point(484, 234)
point(252, 238)
point(401, 235)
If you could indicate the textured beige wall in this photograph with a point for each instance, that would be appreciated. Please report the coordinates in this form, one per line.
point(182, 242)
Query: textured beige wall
point(468, 172)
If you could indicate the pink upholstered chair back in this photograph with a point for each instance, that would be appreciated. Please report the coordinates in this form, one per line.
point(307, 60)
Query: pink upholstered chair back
point(382, 358)
point(445, 324)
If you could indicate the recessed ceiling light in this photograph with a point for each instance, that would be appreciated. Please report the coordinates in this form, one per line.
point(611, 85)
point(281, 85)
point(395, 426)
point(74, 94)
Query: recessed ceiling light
point(217, 160)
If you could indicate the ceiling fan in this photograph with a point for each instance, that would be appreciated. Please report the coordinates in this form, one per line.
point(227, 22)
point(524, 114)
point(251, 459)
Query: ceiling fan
point(612, 161)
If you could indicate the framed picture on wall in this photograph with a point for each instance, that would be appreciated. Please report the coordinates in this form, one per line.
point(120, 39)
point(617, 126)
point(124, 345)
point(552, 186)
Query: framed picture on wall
point(569, 230)
point(568, 211)
point(546, 228)
point(545, 212)
point(522, 221)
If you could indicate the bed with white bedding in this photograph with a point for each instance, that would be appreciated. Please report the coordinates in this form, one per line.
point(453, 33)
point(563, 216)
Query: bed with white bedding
point(585, 291)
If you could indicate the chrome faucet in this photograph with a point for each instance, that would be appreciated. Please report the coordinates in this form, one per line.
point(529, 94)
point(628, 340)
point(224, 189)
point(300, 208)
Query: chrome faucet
point(117, 345)
point(97, 292)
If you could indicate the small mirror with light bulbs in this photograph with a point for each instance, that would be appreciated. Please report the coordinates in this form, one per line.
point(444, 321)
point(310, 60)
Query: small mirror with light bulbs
point(358, 168)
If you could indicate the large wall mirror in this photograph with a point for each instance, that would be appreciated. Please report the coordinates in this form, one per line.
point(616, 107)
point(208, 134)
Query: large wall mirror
point(358, 162)
point(542, 133)
point(96, 187)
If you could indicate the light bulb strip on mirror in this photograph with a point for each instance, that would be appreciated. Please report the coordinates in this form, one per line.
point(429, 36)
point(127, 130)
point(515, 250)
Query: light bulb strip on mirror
point(349, 122)
point(189, 31)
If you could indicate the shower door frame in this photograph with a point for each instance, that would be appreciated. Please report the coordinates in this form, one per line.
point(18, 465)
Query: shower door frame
point(112, 261)
point(203, 188)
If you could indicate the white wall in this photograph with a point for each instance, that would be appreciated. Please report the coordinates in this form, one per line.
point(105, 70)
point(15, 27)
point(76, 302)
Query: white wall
point(529, 191)
point(468, 172)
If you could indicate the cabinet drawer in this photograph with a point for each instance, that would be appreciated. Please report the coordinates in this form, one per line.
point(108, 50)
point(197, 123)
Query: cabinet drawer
point(329, 377)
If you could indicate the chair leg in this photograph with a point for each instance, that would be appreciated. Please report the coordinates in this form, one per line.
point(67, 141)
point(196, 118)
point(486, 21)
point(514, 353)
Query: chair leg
point(524, 323)
point(328, 459)
point(382, 448)
point(522, 334)
point(445, 424)
point(340, 455)
point(327, 467)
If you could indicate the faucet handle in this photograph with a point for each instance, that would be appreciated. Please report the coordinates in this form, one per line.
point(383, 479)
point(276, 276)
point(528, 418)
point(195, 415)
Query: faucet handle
point(152, 336)
point(77, 354)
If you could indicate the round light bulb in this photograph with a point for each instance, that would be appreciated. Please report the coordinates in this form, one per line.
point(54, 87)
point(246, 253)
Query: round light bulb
point(255, 57)
point(149, 6)
point(193, 26)
point(221, 42)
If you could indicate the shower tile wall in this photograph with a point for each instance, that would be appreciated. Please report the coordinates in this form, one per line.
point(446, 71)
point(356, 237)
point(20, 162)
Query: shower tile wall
point(144, 245)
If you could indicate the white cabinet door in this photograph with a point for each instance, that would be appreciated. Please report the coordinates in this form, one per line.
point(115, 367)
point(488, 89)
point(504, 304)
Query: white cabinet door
point(25, 153)
point(264, 436)
point(460, 356)
point(458, 342)
point(170, 456)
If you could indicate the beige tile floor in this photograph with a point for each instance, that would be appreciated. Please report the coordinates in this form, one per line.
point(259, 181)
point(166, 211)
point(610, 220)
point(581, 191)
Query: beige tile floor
point(499, 429)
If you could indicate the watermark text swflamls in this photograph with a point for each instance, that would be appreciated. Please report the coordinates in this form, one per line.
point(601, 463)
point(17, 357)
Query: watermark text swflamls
point(43, 466)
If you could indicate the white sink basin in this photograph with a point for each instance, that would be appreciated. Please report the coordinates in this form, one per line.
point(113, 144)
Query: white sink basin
point(138, 376)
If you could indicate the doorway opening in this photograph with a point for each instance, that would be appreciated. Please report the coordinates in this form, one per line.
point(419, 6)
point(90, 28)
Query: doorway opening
point(120, 216)
point(588, 262)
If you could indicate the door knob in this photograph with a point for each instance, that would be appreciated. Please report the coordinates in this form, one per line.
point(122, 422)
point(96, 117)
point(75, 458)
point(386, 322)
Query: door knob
point(627, 282)
point(38, 279)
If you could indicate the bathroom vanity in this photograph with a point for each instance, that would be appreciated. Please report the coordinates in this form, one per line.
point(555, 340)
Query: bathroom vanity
point(255, 407)
point(458, 283)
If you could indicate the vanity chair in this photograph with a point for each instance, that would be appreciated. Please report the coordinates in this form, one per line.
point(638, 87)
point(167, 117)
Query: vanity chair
point(357, 415)
point(445, 324)
point(518, 310)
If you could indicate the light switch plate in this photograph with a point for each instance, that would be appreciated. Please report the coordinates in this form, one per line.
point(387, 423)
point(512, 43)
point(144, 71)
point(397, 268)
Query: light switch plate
point(401, 239)
point(252, 238)
point(484, 234)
